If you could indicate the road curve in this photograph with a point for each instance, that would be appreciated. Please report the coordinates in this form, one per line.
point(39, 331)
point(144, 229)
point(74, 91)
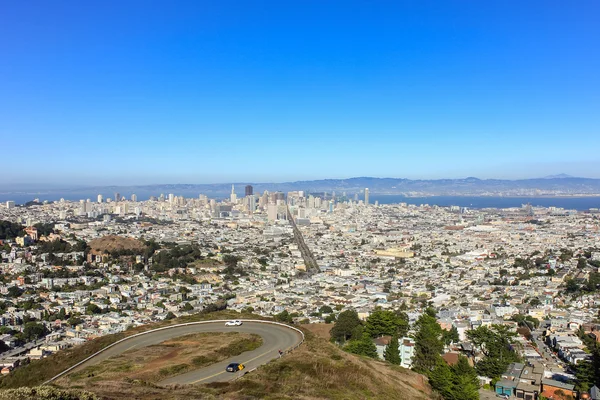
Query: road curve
point(275, 337)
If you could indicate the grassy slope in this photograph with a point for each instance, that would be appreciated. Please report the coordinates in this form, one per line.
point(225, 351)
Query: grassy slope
point(39, 371)
point(316, 370)
point(172, 357)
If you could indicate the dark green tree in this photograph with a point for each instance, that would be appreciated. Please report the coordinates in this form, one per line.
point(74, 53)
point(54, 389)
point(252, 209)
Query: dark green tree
point(428, 343)
point(170, 316)
point(284, 316)
point(494, 343)
point(392, 351)
point(34, 331)
point(450, 336)
point(364, 347)
point(347, 322)
point(384, 322)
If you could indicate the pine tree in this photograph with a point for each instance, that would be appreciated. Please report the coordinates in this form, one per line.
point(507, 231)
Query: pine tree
point(392, 351)
point(364, 347)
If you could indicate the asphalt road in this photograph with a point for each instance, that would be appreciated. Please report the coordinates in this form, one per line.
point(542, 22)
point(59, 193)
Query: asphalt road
point(275, 337)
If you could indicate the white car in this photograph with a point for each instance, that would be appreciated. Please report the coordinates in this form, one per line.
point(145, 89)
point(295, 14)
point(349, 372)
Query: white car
point(233, 323)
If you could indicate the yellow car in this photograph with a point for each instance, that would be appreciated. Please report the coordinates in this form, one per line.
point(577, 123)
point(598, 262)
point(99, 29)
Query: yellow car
point(234, 367)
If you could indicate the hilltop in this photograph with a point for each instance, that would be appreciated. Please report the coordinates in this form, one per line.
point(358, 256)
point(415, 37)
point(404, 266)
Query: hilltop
point(111, 243)
point(316, 370)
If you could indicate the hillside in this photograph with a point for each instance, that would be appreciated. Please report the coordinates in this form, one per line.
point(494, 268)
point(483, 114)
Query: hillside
point(316, 370)
point(111, 243)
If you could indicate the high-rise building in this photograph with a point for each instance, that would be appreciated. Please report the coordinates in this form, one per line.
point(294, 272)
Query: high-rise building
point(134, 197)
point(117, 196)
point(100, 198)
point(272, 212)
point(10, 204)
point(233, 196)
point(366, 196)
point(171, 198)
point(249, 190)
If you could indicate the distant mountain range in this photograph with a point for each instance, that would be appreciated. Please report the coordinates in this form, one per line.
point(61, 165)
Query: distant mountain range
point(557, 185)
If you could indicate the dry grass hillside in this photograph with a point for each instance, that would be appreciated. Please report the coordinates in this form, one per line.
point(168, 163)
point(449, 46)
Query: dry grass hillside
point(316, 370)
point(111, 243)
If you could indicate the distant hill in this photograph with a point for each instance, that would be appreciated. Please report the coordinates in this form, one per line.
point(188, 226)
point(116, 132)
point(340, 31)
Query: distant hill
point(556, 185)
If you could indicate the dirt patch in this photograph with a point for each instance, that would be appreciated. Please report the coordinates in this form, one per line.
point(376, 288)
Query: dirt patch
point(111, 243)
point(154, 363)
point(321, 330)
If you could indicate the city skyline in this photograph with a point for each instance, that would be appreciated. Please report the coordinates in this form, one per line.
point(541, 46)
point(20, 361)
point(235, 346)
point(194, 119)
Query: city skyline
point(198, 92)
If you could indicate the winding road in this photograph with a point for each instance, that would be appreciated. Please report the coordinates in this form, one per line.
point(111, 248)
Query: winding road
point(275, 337)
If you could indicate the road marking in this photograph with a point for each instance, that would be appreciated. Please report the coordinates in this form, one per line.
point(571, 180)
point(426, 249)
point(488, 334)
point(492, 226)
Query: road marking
point(222, 372)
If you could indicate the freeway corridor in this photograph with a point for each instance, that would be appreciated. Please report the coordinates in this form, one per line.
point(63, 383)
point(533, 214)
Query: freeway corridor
point(275, 337)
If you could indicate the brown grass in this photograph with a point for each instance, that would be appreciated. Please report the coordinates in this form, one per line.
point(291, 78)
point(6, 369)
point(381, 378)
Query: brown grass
point(316, 370)
point(172, 357)
point(39, 371)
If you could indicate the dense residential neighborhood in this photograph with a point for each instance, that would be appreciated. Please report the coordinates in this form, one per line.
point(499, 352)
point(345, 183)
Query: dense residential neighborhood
point(74, 271)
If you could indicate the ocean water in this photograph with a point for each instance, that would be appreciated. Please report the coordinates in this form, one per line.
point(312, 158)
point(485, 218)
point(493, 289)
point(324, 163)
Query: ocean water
point(571, 203)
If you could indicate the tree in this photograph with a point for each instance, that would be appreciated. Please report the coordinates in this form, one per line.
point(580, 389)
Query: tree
point(93, 309)
point(392, 351)
point(384, 322)
point(535, 302)
point(581, 263)
point(325, 310)
point(14, 291)
point(450, 336)
point(170, 316)
point(458, 382)
point(364, 347)
point(347, 322)
point(494, 343)
point(34, 331)
point(74, 320)
point(428, 343)
point(188, 307)
point(284, 316)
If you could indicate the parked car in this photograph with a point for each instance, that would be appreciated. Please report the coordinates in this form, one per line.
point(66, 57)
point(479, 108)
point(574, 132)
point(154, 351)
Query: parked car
point(235, 367)
point(233, 323)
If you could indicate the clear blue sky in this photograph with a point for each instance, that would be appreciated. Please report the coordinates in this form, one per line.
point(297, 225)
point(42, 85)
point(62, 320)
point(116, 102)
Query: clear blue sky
point(136, 92)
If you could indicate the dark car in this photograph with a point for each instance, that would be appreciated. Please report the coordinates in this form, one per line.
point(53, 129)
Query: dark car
point(234, 367)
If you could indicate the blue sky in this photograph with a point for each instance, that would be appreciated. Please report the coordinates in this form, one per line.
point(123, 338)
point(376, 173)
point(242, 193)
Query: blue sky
point(136, 92)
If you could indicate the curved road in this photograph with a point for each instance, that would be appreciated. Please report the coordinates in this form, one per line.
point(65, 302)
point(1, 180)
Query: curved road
point(275, 337)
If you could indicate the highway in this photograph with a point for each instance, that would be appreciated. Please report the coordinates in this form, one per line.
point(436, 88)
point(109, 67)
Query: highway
point(275, 337)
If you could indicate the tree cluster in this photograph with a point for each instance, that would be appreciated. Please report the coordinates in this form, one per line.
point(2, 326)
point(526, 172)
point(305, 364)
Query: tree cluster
point(10, 230)
point(495, 344)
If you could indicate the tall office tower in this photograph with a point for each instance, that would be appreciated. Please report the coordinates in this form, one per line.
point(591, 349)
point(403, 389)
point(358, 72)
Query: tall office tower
point(366, 196)
point(134, 197)
point(272, 212)
point(264, 199)
point(171, 198)
point(355, 196)
point(10, 204)
point(233, 196)
point(161, 197)
point(117, 196)
point(251, 202)
point(100, 198)
point(249, 190)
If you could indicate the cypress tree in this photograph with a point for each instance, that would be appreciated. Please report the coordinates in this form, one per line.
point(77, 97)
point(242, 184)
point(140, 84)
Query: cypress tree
point(392, 351)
